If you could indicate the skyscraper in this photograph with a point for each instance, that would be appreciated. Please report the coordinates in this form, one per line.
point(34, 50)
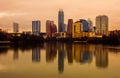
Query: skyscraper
point(90, 25)
point(61, 21)
point(69, 27)
point(15, 27)
point(102, 24)
point(85, 25)
point(36, 27)
point(77, 28)
point(65, 27)
point(50, 28)
point(54, 29)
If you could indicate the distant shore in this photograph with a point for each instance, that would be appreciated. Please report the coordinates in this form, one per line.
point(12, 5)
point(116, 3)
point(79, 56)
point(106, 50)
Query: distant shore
point(94, 40)
point(6, 38)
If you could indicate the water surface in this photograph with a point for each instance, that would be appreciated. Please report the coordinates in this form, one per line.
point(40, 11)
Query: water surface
point(60, 60)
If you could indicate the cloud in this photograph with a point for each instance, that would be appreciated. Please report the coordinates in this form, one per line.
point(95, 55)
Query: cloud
point(5, 14)
point(28, 10)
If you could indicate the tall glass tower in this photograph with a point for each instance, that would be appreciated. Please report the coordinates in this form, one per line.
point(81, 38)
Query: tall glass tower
point(69, 27)
point(36, 27)
point(61, 27)
point(102, 24)
point(85, 25)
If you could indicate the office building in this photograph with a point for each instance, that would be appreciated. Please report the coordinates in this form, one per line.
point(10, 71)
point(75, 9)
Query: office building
point(85, 25)
point(77, 28)
point(48, 28)
point(90, 25)
point(36, 27)
point(69, 27)
point(54, 28)
point(51, 28)
point(102, 25)
point(15, 27)
point(65, 27)
point(61, 27)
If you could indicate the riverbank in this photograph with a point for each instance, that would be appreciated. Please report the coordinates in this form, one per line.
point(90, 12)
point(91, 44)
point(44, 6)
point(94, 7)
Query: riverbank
point(19, 41)
point(6, 38)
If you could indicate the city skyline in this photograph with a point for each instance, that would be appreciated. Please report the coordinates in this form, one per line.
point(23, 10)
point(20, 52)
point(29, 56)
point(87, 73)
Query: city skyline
point(25, 11)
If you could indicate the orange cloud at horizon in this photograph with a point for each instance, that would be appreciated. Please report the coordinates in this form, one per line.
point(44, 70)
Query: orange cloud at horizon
point(24, 11)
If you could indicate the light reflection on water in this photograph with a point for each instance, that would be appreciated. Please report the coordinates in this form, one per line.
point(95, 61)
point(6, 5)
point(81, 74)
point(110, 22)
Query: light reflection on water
point(64, 60)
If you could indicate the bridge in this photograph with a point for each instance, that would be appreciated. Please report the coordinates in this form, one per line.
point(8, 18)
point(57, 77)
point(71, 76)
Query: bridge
point(15, 34)
point(5, 42)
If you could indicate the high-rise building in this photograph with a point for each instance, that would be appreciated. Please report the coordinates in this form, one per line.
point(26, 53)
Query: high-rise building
point(69, 27)
point(54, 30)
point(61, 21)
point(65, 27)
point(36, 27)
point(102, 24)
point(85, 25)
point(90, 25)
point(50, 28)
point(15, 27)
point(77, 28)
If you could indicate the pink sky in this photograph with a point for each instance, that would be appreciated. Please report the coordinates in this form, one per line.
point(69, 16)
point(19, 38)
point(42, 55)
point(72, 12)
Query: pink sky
point(24, 11)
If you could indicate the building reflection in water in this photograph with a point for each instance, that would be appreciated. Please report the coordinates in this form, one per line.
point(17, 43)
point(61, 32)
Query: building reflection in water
point(36, 54)
point(51, 51)
point(76, 52)
point(101, 56)
point(61, 55)
point(69, 53)
point(15, 53)
point(82, 53)
point(3, 50)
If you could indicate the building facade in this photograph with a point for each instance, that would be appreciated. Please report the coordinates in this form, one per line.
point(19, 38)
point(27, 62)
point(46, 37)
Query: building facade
point(85, 25)
point(61, 27)
point(48, 28)
point(102, 25)
point(69, 27)
point(15, 27)
point(90, 25)
point(51, 28)
point(77, 28)
point(36, 27)
point(65, 27)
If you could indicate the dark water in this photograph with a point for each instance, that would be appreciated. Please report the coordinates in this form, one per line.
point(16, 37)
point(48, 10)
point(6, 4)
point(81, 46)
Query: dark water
point(60, 60)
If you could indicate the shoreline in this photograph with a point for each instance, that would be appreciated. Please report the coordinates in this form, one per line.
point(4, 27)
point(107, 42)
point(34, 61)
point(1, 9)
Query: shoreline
point(62, 40)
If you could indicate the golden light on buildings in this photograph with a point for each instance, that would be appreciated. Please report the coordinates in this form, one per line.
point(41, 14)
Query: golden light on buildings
point(77, 28)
